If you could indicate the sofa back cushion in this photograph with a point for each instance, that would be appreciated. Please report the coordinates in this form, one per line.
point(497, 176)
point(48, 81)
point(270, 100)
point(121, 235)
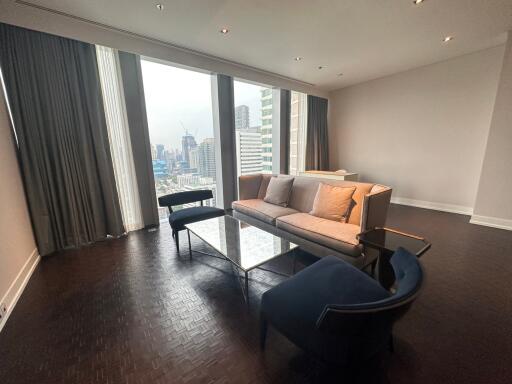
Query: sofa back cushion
point(304, 191)
point(278, 191)
point(265, 179)
point(332, 202)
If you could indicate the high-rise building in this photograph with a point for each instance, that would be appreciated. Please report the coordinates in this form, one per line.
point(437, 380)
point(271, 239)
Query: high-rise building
point(206, 158)
point(160, 152)
point(160, 169)
point(249, 150)
point(187, 143)
point(266, 129)
point(242, 117)
point(153, 152)
point(194, 158)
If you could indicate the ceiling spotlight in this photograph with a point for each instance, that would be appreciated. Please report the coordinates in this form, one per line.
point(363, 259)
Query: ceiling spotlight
point(224, 31)
point(160, 7)
point(416, 2)
point(447, 39)
point(298, 58)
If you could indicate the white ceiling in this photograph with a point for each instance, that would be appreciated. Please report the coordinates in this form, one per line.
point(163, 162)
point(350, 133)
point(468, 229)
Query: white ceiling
point(363, 39)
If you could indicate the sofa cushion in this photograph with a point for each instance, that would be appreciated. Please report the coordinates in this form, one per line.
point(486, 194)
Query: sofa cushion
point(304, 191)
point(333, 234)
point(332, 203)
point(261, 210)
point(278, 191)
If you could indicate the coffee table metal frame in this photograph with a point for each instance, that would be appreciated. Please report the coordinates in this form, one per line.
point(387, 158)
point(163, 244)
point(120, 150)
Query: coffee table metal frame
point(243, 280)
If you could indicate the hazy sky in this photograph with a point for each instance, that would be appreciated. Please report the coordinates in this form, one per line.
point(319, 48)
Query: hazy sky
point(179, 99)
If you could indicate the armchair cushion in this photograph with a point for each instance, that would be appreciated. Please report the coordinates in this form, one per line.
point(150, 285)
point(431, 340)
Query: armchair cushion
point(178, 219)
point(295, 305)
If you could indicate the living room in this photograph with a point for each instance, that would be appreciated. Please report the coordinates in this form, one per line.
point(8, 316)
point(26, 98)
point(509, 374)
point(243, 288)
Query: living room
point(255, 192)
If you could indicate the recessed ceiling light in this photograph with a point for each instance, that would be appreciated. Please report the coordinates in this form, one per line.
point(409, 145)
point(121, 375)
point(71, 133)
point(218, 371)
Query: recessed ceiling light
point(418, 1)
point(160, 7)
point(298, 58)
point(447, 39)
point(321, 67)
point(224, 31)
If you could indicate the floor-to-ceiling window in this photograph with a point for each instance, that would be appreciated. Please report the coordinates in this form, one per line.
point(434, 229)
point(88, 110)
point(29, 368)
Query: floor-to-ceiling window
point(180, 120)
point(253, 127)
point(298, 122)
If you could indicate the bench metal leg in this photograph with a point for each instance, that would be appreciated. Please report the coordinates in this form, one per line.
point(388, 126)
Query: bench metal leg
point(177, 240)
point(189, 244)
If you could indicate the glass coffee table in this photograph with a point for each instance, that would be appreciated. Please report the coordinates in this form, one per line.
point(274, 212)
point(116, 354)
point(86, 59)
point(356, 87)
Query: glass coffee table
point(386, 241)
point(246, 247)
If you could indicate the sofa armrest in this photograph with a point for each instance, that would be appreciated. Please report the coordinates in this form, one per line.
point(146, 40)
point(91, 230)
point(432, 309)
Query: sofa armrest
point(375, 208)
point(249, 186)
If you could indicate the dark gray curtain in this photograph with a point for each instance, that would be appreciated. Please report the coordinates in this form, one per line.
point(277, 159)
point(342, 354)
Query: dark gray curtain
point(317, 147)
point(139, 135)
point(54, 92)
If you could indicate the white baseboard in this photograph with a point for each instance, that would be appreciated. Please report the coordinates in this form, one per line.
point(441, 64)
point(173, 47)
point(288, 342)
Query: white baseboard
point(494, 222)
point(460, 209)
point(16, 288)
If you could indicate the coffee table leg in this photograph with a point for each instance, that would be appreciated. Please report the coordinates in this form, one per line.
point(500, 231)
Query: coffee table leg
point(189, 244)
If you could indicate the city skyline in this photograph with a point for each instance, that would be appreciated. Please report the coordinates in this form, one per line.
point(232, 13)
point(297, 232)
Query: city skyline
point(179, 101)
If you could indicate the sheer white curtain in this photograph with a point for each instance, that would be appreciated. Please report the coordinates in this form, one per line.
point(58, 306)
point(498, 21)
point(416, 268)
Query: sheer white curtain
point(298, 127)
point(119, 137)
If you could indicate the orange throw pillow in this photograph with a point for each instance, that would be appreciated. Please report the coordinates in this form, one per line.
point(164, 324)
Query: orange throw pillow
point(332, 202)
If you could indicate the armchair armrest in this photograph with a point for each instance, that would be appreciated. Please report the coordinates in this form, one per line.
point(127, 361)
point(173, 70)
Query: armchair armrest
point(249, 186)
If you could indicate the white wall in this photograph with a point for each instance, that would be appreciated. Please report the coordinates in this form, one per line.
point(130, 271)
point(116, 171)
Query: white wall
point(423, 132)
point(18, 253)
point(494, 201)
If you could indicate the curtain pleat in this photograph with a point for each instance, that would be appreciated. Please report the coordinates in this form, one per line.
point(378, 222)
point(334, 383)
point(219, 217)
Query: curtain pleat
point(139, 134)
point(317, 148)
point(54, 92)
point(119, 137)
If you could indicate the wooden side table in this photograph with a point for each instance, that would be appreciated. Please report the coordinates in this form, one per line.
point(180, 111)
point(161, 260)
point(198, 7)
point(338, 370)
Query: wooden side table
point(386, 241)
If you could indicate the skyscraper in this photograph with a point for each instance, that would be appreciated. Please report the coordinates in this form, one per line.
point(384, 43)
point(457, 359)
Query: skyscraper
point(187, 143)
point(206, 158)
point(160, 152)
point(266, 129)
point(194, 158)
point(248, 150)
point(242, 117)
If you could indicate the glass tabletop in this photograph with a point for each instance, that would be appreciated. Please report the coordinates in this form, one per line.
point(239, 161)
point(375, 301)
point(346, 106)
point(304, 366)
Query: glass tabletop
point(390, 239)
point(245, 245)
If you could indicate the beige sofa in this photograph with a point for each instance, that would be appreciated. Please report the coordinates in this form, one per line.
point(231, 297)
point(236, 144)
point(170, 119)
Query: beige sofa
point(316, 235)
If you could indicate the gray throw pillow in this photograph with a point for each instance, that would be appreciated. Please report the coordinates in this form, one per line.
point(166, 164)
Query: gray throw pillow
point(279, 190)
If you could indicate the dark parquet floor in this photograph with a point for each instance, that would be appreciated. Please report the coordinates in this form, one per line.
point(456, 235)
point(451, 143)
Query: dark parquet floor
point(131, 311)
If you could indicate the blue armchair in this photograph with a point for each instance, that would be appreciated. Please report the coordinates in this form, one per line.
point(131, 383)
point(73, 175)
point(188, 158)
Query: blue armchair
point(178, 219)
point(337, 312)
